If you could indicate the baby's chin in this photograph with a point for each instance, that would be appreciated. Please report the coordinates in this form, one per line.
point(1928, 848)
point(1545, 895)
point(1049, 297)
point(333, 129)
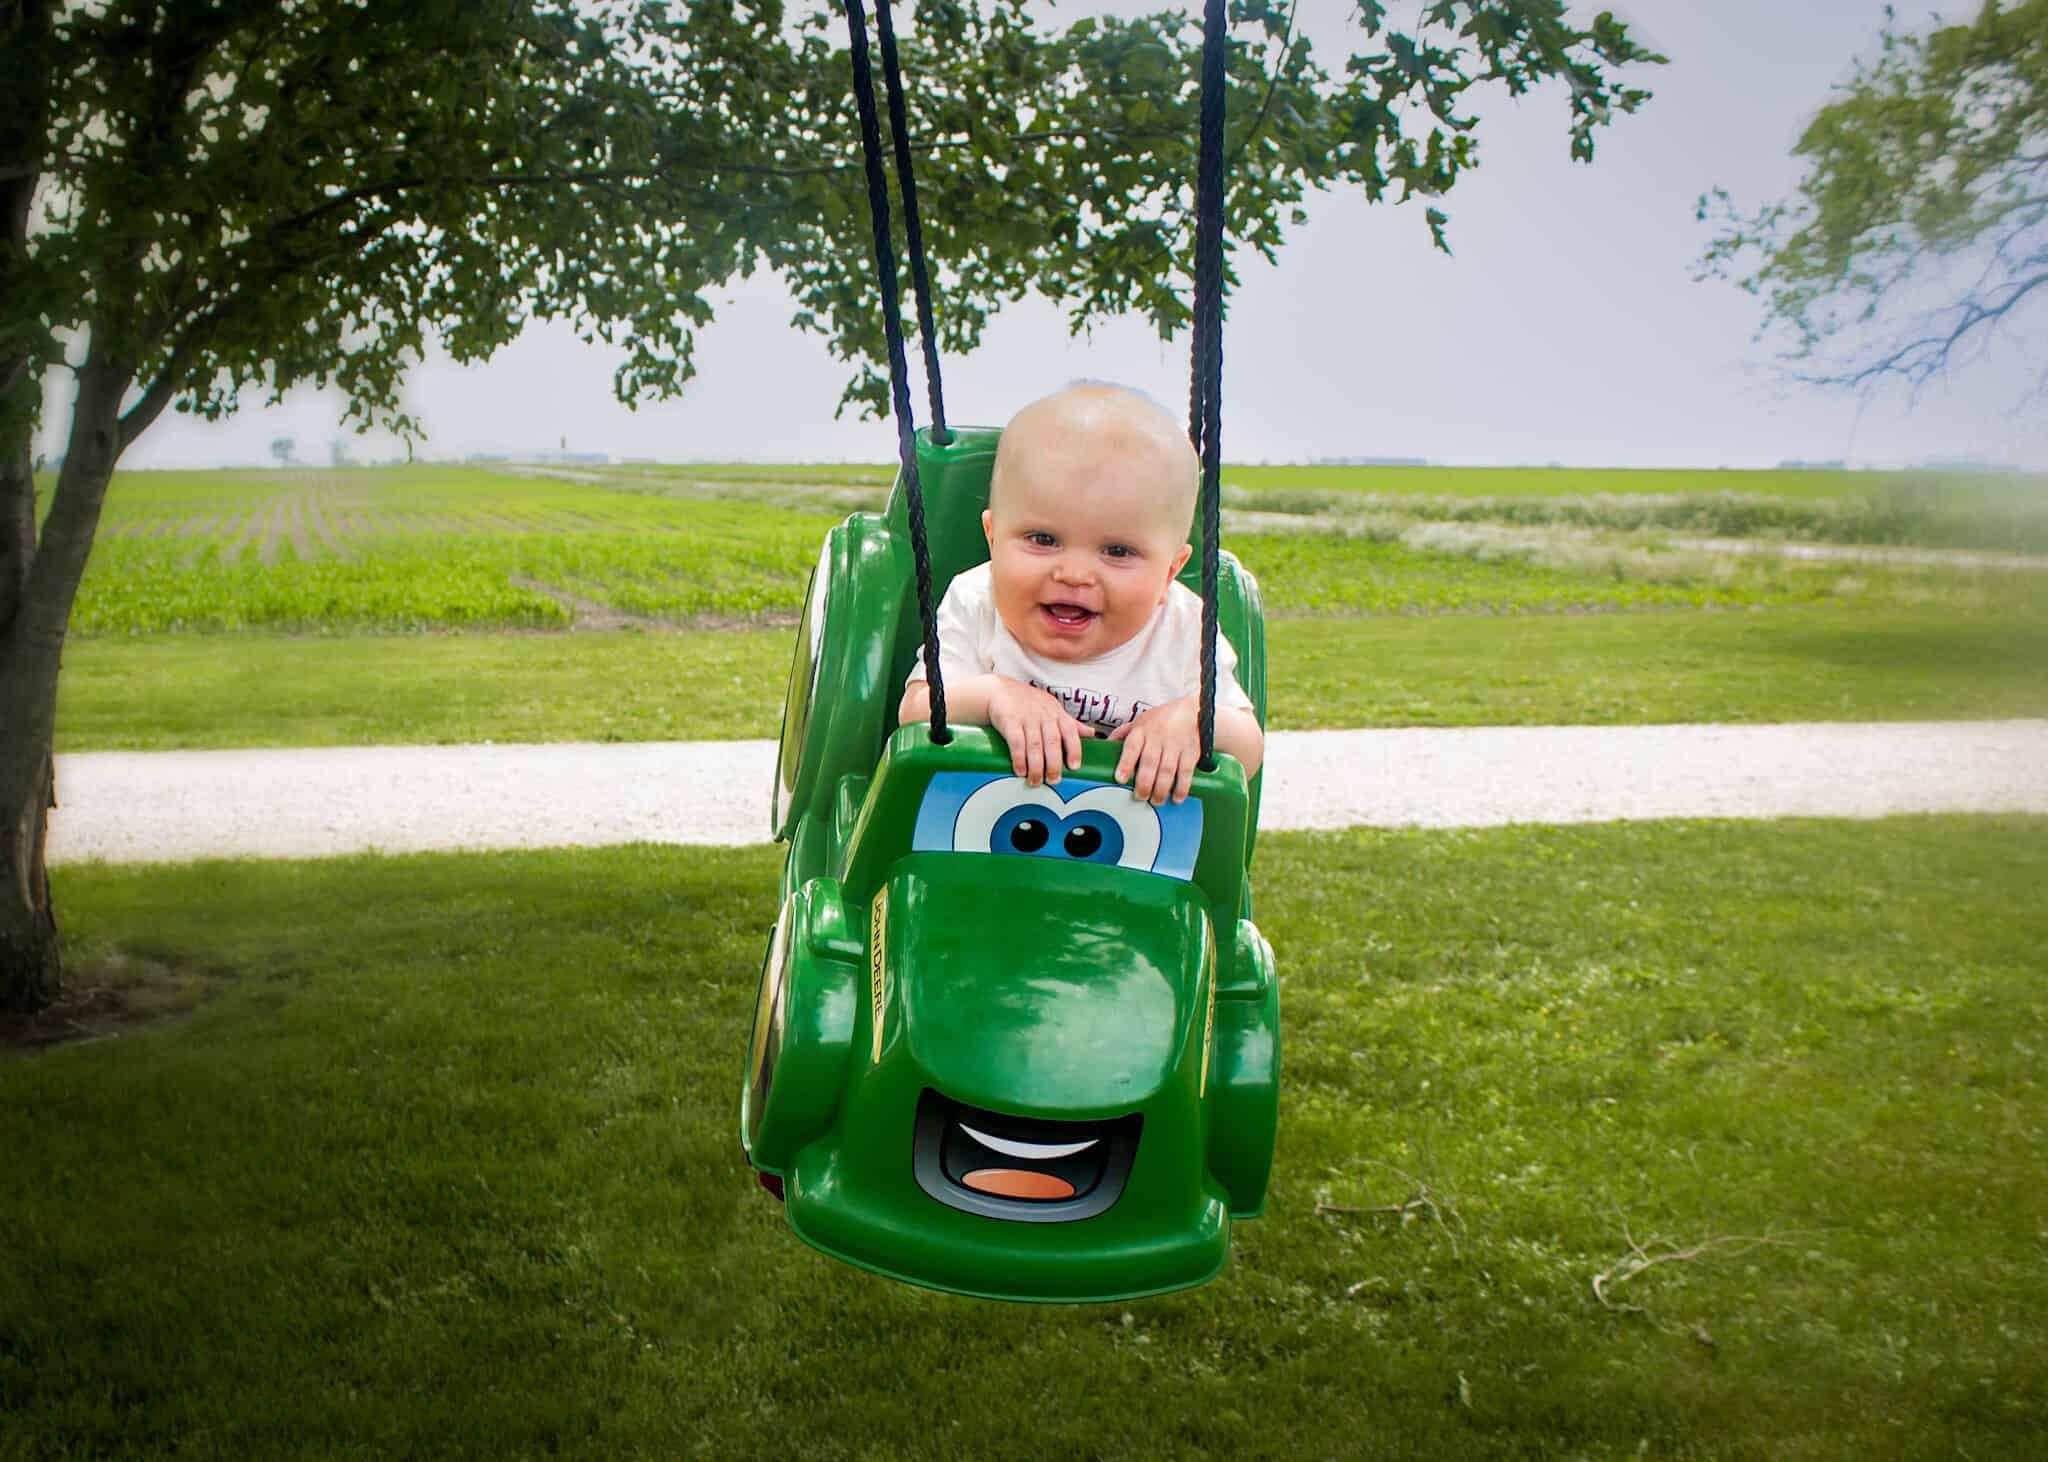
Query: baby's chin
point(1052, 642)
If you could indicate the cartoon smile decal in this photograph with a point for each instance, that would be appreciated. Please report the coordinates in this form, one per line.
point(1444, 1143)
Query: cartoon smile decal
point(1025, 1169)
point(1078, 821)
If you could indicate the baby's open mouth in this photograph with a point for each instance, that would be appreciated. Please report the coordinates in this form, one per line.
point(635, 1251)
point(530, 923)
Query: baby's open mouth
point(1068, 616)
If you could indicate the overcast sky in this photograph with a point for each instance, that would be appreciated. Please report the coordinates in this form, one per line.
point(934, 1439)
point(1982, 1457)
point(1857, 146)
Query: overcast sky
point(1567, 328)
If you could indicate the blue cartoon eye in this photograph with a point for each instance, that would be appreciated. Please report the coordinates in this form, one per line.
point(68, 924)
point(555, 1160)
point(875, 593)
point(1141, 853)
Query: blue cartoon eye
point(1016, 832)
point(1090, 842)
point(1085, 837)
point(1076, 821)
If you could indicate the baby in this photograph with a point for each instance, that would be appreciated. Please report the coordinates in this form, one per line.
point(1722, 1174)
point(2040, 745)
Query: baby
point(1075, 626)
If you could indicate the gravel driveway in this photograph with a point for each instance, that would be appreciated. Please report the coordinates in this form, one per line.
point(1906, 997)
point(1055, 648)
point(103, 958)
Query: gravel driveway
point(159, 806)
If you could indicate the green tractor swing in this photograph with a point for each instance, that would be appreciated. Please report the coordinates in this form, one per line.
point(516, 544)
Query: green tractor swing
point(1011, 1041)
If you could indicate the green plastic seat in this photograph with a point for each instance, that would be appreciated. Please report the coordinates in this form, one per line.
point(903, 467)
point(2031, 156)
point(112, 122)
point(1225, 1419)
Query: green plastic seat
point(1041, 1077)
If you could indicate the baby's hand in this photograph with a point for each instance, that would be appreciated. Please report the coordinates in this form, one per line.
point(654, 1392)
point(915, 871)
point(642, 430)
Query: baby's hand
point(1161, 747)
point(1041, 735)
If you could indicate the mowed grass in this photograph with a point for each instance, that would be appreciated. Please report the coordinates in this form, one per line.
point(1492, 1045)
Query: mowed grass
point(446, 1165)
point(172, 692)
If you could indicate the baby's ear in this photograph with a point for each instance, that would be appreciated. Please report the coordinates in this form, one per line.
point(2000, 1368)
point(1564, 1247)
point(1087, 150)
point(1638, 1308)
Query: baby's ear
point(1180, 561)
point(988, 527)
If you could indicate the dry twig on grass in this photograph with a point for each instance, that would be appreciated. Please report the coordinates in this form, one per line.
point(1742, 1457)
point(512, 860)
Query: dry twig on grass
point(1648, 1254)
point(1422, 1201)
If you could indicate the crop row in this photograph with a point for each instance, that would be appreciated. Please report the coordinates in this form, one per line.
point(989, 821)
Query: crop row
point(328, 515)
point(452, 564)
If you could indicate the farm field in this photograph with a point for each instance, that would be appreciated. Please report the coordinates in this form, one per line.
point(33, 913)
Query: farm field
point(416, 548)
point(195, 692)
point(1439, 609)
point(1432, 481)
point(438, 1153)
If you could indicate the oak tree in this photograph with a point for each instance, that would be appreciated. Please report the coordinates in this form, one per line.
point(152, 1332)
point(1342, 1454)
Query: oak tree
point(208, 199)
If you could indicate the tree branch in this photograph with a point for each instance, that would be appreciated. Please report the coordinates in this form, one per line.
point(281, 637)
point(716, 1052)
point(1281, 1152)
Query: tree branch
point(1920, 360)
point(163, 387)
point(583, 177)
point(1272, 85)
point(168, 380)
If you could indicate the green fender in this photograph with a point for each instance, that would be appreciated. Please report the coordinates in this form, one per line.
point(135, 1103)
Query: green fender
point(1244, 1095)
point(803, 1027)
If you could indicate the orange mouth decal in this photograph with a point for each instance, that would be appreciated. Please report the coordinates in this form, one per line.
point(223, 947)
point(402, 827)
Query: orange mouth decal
point(1019, 1183)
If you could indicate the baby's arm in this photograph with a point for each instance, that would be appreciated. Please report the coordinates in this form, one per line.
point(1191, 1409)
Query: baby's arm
point(1041, 736)
point(1239, 733)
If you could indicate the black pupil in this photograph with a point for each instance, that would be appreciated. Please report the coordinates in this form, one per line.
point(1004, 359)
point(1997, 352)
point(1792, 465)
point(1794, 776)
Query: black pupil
point(1029, 836)
point(1084, 842)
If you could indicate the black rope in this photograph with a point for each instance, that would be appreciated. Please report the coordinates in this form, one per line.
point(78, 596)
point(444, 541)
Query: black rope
point(913, 233)
point(1205, 407)
point(899, 371)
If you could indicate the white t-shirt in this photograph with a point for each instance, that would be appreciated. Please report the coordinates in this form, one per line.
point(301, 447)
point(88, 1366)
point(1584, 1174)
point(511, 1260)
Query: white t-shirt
point(1161, 663)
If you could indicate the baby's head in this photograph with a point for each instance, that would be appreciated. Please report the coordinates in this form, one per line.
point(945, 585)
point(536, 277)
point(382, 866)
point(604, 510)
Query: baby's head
point(1087, 524)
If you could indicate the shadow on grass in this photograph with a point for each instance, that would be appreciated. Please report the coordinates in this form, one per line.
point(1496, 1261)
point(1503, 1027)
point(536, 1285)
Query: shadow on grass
point(110, 992)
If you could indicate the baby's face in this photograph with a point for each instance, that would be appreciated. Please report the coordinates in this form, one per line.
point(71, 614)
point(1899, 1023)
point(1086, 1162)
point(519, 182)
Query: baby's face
point(1082, 547)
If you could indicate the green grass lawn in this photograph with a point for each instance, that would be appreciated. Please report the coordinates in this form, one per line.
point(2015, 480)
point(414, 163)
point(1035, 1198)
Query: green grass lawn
point(166, 692)
point(446, 1164)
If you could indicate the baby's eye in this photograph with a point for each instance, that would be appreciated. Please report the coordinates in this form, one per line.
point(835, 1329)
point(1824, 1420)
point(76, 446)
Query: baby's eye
point(1121, 550)
point(1041, 540)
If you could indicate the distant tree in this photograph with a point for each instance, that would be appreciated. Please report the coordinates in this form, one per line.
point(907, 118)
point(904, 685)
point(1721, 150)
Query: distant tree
point(281, 448)
point(337, 452)
point(1920, 231)
point(202, 196)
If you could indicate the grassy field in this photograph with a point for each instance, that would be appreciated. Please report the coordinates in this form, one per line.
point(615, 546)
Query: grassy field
point(174, 692)
point(444, 1164)
point(1597, 481)
point(437, 1155)
point(288, 607)
point(430, 547)
point(440, 547)
point(1467, 482)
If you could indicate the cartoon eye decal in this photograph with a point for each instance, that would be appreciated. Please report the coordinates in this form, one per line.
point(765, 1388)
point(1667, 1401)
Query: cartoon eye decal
point(1077, 821)
point(1086, 837)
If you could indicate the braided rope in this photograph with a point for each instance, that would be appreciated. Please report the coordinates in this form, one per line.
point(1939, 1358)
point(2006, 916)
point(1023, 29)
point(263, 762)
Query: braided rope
point(913, 231)
point(1205, 410)
point(899, 371)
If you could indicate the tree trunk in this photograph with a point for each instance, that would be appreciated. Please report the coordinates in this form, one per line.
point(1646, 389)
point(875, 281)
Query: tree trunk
point(31, 647)
point(29, 966)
